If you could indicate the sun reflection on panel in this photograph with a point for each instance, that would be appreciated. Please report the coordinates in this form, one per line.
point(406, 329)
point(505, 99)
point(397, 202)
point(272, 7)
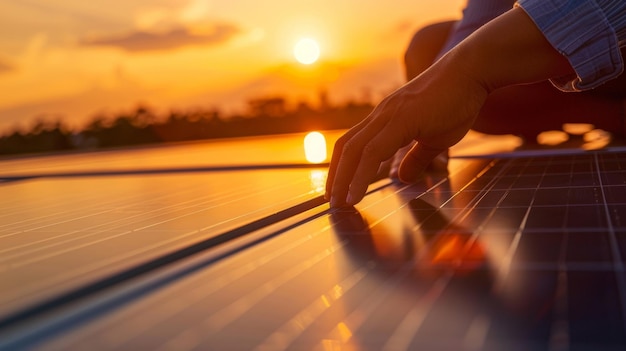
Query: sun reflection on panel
point(318, 181)
point(315, 147)
point(458, 251)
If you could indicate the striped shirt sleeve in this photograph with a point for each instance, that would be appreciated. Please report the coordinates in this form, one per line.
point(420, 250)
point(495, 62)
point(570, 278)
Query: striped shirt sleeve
point(588, 32)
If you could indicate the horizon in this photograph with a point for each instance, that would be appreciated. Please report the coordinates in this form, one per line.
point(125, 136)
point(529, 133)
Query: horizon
point(74, 60)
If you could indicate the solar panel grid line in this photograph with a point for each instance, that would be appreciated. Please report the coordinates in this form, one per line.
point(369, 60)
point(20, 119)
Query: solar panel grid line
point(230, 185)
point(4, 256)
point(618, 264)
point(476, 334)
point(505, 264)
point(403, 188)
point(402, 338)
point(88, 267)
point(109, 236)
point(120, 332)
point(382, 218)
point(355, 319)
point(220, 202)
point(404, 333)
point(566, 227)
point(480, 331)
point(373, 224)
point(211, 202)
point(353, 322)
point(282, 338)
point(570, 266)
point(439, 180)
point(117, 209)
point(559, 338)
point(153, 171)
point(15, 212)
point(219, 319)
point(252, 266)
point(411, 322)
point(202, 292)
point(612, 150)
point(473, 203)
point(73, 217)
point(504, 267)
point(370, 225)
point(118, 203)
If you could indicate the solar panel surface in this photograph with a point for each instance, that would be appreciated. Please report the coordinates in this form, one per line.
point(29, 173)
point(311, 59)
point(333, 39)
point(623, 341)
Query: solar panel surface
point(515, 253)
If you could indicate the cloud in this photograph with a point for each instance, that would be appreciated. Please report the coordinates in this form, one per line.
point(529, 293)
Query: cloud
point(175, 38)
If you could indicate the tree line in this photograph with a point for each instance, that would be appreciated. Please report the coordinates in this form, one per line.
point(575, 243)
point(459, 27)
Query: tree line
point(142, 125)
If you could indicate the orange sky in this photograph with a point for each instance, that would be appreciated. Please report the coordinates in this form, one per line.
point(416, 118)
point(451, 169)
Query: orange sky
point(75, 58)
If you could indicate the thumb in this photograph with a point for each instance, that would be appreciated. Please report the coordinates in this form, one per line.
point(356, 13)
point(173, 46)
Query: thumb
point(416, 161)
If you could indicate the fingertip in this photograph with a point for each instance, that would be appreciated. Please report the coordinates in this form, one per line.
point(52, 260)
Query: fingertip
point(337, 201)
point(415, 163)
point(410, 175)
point(333, 202)
point(350, 200)
point(410, 170)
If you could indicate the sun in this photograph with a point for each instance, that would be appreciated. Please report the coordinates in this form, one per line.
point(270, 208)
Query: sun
point(306, 51)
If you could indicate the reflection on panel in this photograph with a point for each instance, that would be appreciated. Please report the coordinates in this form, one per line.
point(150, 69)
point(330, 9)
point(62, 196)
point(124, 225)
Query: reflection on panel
point(497, 255)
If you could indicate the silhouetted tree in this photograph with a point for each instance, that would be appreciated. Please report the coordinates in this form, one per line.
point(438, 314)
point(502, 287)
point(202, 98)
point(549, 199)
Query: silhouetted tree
point(142, 125)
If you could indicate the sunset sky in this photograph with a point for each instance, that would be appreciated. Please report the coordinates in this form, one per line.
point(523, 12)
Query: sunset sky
point(76, 58)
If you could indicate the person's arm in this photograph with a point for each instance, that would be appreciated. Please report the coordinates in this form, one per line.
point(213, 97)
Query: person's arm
point(588, 32)
point(438, 107)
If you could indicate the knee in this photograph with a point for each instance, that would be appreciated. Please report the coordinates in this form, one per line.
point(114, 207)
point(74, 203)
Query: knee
point(425, 45)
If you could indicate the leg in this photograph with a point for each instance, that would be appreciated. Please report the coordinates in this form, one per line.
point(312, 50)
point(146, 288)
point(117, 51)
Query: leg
point(425, 47)
point(527, 110)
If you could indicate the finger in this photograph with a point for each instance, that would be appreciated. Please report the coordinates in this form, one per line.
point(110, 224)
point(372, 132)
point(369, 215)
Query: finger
point(416, 160)
point(348, 156)
point(378, 149)
point(337, 152)
point(397, 159)
point(332, 168)
point(347, 162)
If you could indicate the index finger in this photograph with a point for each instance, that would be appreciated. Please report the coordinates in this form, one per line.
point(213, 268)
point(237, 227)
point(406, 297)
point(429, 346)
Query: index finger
point(338, 151)
point(360, 155)
point(377, 149)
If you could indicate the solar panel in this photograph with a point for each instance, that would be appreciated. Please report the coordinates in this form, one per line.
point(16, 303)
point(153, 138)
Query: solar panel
point(509, 253)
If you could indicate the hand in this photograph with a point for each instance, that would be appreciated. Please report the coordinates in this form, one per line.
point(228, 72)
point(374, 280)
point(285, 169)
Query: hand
point(390, 167)
point(436, 109)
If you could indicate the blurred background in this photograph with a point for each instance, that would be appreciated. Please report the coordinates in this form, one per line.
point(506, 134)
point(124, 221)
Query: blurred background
point(78, 75)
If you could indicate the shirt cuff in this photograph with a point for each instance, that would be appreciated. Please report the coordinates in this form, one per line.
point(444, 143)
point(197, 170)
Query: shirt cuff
point(580, 31)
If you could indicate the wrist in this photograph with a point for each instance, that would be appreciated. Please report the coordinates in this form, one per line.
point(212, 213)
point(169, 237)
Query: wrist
point(509, 50)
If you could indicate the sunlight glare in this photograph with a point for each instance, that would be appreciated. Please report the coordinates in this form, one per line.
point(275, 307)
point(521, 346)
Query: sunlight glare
point(315, 147)
point(318, 180)
point(306, 51)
